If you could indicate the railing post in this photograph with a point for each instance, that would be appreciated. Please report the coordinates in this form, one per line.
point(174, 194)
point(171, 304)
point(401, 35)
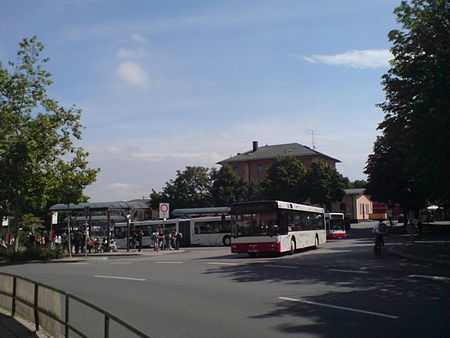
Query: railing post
point(36, 306)
point(66, 318)
point(14, 293)
point(106, 326)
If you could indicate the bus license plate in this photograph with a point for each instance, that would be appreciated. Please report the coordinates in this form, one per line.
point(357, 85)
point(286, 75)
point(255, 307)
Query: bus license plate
point(253, 250)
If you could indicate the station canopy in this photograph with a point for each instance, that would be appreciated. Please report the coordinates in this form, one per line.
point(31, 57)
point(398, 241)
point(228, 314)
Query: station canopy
point(137, 204)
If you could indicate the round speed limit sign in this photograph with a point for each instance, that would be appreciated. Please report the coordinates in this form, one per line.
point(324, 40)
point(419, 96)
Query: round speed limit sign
point(164, 210)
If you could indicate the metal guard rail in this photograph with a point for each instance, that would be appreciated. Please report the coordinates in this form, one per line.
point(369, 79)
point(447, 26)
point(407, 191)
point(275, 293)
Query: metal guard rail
point(67, 325)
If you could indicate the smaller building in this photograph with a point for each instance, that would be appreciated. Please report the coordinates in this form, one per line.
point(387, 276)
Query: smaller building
point(355, 205)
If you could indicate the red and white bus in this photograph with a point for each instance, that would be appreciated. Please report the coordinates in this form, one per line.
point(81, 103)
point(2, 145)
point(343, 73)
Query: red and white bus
point(335, 225)
point(275, 226)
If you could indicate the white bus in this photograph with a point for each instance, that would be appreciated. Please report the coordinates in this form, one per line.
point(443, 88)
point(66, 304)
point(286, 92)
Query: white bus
point(335, 225)
point(208, 230)
point(275, 226)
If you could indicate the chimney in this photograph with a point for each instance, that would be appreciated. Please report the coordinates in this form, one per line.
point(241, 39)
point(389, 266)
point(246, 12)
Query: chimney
point(255, 146)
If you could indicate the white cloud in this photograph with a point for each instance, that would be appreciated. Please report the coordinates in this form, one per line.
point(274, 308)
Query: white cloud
point(361, 59)
point(132, 73)
point(139, 38)
point(124, 53)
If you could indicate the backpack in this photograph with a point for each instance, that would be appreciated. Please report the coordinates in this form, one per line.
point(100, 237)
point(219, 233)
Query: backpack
point(382, 227)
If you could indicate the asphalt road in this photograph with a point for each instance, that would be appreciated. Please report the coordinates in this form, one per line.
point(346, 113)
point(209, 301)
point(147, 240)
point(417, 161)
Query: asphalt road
point(339, 290)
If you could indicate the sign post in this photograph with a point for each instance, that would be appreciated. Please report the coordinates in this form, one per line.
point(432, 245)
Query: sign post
point(164, 213)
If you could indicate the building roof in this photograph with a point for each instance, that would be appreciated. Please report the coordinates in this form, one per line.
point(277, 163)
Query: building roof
point(135, 204)
point(274, 151)
point(357, 191)
point(201, 211)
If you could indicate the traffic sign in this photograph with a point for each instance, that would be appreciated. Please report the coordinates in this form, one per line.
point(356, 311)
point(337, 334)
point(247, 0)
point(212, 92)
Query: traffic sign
point(164, 210)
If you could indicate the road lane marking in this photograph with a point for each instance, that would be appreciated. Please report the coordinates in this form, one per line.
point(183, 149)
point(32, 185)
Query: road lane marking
point(223, 263)
point(338, 307)
point(441, 278)
point(116, 277)
point(350, 271)
point(169, 262)
point(281, 266)
point(117, 263)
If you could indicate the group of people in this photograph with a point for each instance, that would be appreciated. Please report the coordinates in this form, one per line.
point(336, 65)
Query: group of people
point(39, 239)
point(166, 240)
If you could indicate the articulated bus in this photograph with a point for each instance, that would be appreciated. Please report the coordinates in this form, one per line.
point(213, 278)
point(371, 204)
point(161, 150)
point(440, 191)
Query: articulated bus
point(335, 225)
point(210, 230)
point(275, 226)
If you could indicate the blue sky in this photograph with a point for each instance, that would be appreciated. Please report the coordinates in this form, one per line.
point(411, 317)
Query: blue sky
point(167, 84)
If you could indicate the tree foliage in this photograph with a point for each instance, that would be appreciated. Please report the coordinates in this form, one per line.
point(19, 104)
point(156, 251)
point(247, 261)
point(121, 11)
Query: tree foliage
point(324, 185)
point(39, 159)
point(190, 189)
point(388, 181)
point(416, 126)
point(227, 187)
point(285, 181)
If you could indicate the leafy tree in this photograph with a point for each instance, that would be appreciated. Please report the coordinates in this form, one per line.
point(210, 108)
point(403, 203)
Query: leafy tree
point(388, 180)
point(38, 157)
point(285, 181)
point(254, 192)
point(417, 122)
point(190, 189)
point(227, 187)
point(324, 184)
point(358, 184)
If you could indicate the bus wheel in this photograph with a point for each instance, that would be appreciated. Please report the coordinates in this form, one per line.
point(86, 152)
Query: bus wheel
point(293, 246)
point(316, 245)
point(226, 241)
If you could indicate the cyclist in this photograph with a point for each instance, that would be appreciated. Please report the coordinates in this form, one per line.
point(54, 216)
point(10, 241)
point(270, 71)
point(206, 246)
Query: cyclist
point(379, 230)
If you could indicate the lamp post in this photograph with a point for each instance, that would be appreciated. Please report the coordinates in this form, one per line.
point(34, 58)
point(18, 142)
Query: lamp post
point(128, 231)
point(87, 212)
point(69, 240)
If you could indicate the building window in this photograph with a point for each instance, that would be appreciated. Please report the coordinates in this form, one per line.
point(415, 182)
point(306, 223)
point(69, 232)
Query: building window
point(236, 170)
point(259, 169)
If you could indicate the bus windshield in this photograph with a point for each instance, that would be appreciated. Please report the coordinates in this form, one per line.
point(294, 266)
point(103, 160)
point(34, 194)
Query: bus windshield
point(337, 224)
point(260, 224)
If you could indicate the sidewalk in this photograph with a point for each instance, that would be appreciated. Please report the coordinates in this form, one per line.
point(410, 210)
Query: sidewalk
point(13, 327)
point(121, 253)
point(430, 246)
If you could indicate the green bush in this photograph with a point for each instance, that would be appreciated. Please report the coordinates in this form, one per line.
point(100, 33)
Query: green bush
point(35, 253)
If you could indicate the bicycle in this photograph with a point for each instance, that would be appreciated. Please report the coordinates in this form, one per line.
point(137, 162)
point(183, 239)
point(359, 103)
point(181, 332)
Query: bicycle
point(379, 242)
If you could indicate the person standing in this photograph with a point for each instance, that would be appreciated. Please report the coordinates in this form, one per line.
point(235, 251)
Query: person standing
point(139, 236)
point(178, 238)
point(161, 240)
point(379, 230)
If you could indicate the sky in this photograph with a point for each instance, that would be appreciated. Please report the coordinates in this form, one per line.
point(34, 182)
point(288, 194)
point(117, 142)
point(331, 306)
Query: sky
point(169, 84)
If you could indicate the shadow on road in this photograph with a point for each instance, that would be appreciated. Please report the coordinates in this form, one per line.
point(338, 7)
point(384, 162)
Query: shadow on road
point(418, 305)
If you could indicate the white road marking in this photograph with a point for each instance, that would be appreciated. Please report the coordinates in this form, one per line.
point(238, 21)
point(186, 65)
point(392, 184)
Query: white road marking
point(281, 266)
point(223, 263)
point(338, 307)
point(350, 271)
point(117, 263)
point(441, 278)
point(116, 277)
point(169, 262)
point(80, 263)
